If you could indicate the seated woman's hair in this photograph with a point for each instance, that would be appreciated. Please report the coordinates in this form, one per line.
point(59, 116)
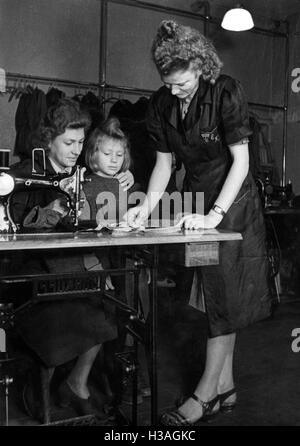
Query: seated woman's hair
point(65, 114)
point(110, 128)
point(176, 46)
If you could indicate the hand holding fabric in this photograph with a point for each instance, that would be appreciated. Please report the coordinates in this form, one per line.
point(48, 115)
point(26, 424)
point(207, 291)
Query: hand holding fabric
point(197, 221)
point(136, 217)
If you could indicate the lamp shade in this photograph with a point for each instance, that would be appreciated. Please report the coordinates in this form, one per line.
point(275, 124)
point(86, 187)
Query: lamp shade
point(237, 19)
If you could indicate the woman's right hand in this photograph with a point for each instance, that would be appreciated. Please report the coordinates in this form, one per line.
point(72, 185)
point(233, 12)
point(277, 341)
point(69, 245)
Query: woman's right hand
point(136, 217)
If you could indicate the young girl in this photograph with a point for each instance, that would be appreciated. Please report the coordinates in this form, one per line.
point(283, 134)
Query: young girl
point(108, 159)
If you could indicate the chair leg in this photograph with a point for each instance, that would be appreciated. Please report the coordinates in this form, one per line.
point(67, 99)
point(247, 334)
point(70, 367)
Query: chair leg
point(46, 374)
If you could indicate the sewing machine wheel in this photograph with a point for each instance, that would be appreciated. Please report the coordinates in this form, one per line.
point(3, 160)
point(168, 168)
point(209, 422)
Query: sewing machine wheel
point(7, 184)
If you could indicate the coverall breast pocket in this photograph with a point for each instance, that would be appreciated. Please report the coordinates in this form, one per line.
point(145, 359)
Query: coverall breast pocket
point(210, 136)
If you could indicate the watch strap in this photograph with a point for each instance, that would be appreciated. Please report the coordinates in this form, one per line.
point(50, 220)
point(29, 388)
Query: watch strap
point(218, 210)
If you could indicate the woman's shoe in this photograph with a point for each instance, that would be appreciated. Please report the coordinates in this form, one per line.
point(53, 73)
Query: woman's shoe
point(67, 398)
point(175, 418)
point(227, 407)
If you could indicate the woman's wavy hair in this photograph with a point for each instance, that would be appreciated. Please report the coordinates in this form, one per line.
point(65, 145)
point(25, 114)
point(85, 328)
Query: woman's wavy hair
point(110, 128)
point(65, 114)
point(176, 46)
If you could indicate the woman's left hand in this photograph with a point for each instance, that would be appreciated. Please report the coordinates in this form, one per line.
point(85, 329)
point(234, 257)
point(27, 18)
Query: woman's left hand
point(126, 179)
point(197, 221)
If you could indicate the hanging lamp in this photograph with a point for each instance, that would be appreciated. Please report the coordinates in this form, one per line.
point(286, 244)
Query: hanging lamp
point(237, 19)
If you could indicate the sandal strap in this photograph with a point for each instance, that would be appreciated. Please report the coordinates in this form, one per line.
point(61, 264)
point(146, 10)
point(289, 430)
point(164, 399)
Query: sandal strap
point(206, 405)
point(174, 418)
point(223, 396)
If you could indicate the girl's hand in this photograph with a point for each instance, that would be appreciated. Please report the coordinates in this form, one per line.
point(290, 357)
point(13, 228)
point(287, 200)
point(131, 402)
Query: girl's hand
point(197, 221)
point(126, 179)
point(136, 217)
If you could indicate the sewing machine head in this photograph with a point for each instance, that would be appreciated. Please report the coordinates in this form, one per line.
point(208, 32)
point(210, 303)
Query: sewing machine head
point(70, 186)
point(274, 196)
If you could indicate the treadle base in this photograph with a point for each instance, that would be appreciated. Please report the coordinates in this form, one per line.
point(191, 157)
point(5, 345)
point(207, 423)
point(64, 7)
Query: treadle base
point(87, 420)
point(116, 418)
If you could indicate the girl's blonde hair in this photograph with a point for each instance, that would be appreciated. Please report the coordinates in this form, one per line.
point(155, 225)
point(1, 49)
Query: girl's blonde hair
point(110, 128)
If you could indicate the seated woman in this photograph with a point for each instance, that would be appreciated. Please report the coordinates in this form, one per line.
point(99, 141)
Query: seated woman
point(61, 331)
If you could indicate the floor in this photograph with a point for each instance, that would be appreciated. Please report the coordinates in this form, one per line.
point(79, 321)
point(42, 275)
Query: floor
point(267, 371)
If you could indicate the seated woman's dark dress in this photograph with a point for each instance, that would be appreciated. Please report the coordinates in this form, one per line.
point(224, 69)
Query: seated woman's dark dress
point(62, 330)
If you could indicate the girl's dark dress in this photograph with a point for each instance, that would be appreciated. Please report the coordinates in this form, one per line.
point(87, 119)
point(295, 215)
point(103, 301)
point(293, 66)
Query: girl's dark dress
point(236, 291)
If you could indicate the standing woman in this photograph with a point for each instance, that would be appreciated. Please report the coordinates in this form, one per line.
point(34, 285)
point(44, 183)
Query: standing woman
point(202, 116)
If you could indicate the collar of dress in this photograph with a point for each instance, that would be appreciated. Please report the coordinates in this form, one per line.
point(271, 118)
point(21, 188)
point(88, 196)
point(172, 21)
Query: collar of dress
point(203, 95)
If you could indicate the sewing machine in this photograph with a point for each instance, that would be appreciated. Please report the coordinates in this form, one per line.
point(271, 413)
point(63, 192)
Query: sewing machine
point(71, 186)
point(274, 196)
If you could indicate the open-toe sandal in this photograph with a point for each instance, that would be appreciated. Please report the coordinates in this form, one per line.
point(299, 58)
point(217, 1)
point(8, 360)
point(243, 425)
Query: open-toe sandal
point(229, 406)
point(176, 418)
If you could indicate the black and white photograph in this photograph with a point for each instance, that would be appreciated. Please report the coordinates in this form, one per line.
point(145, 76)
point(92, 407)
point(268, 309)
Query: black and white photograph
point(149, 215)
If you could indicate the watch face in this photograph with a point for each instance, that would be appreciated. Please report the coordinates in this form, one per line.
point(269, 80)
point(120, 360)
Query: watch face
point(219, 210)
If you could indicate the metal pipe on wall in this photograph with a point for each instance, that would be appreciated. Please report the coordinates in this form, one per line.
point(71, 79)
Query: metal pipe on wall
point(207, 17)
point(158, 8)
point(146, 92)
point(51, 81)
point(286, 99)
point(196, 7)
point(107, 87)
point(103, 48)
point(180, 12)
point(129, 90)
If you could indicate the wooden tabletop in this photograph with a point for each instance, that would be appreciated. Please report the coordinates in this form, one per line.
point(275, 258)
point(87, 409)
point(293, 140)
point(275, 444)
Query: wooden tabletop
point(83, 239)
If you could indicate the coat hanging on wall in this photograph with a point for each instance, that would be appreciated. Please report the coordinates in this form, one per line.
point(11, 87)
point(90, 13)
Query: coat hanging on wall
point(30, 112)
point(133, 122)
point(92, 104)
point(53, 96)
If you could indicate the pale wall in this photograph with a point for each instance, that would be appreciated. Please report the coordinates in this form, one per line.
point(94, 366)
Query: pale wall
point(60, 38)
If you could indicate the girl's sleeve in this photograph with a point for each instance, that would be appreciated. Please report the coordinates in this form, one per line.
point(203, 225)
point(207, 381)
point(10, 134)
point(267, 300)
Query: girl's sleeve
point(234, 113)
point(157, 140)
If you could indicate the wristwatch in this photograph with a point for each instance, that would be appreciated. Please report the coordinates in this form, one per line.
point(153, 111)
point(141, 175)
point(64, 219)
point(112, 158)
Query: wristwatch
point(218, 210)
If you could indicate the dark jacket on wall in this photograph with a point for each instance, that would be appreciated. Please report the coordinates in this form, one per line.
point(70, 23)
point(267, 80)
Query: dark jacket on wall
point(30, 112)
